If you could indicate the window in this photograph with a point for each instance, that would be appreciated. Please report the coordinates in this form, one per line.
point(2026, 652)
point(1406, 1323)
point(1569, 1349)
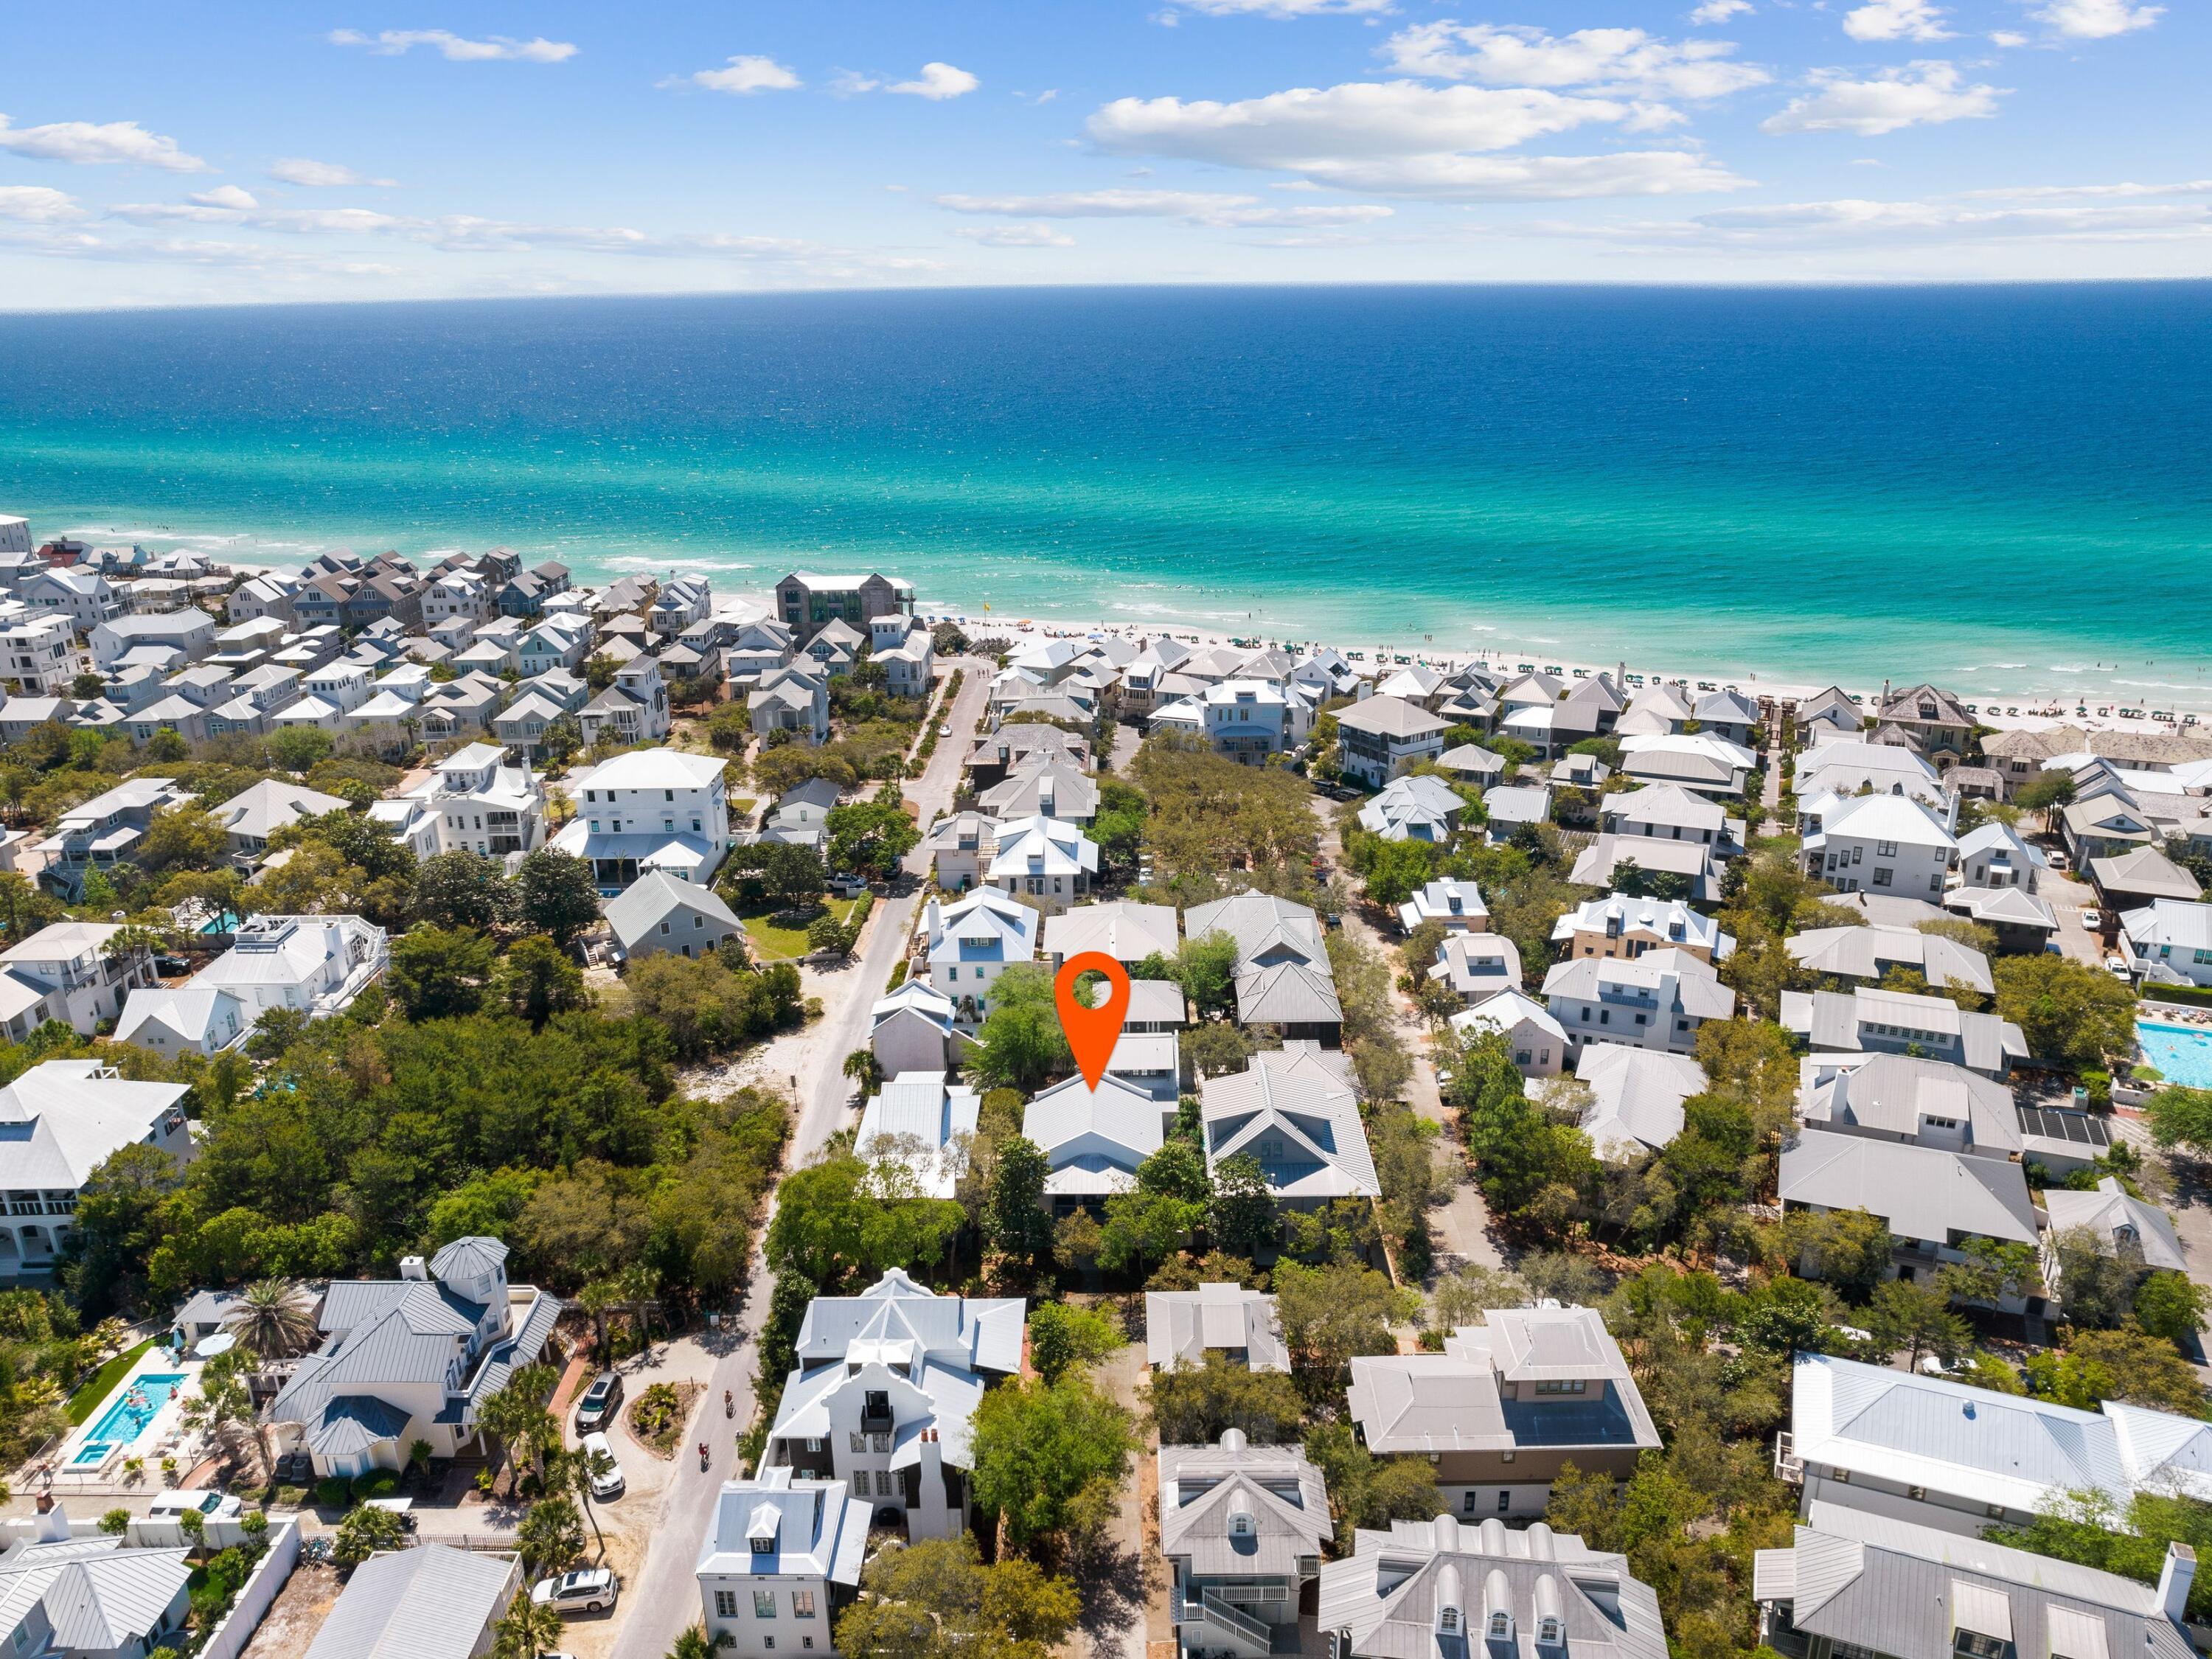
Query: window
point(1881, 875)
point(1473, 1500)
point(725, 1604)
point(1573, 1385)
point(1842, 1477)
point(764, 1604)
point(1448, 1621)
point(802, 1604)
point(768, 1643)
point(1505, 1503)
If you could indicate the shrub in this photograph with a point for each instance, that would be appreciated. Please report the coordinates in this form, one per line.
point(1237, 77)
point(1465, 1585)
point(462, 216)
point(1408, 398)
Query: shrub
point(379, 1483)
point(333, 1494)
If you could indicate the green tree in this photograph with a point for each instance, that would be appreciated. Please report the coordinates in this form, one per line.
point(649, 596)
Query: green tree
point(793, 876)
point(461, 890)
point(1396, 869)
point(2070, 1013)
point(1241, 1216)
point(183, 838)
point(1036, 1445)
point(298, 748)
point(1365, 1491)
point(1917, 1318)
point(1332, 1314)
point(1849, 1248)
point(871, 836)
point(841, 1218)
point(527, 1630)
point(536, 980)
point(2128, 1365)
point(2047, 793)
point(556, 895)
point(274, 1319)
point(1206, 966)
point(2171, 1305)
point(936, 1600)
point(1191, 1404)
point(1021, 1043)
point(363, 1533)
point(1015, 1219)
point(1064, 1337)
point(2183, 1117)
point(550, 1537)
point(437, 974)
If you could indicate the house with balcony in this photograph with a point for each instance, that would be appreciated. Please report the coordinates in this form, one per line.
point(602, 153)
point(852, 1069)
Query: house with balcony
point(1242, 1529)
point(808, 600)
point(681, 601)
point(314, 964)
point(1537, 1042)
point(634, 709)
point(884, 1394)
point(1618, 925)
point(961, 846)
point(59, 1121)
point(40, 654)
point(484, 804)
point(1045, 859)
point(2167, 942)
point(971, 942)
point(794, 700)
point(106, 830)
point(1934, 722)
point(651, 809)
point(1477, 966)
point(410, 1358)
point(190, 634)
point(85, 599)
point(781, 1557)
point(1657, 1000)
point(1421, 808)
point(1381, 737)
point(1505, 1406)
point(1902, 1097)
point(1454, 905)
point(66, 971)
point(1043, 784)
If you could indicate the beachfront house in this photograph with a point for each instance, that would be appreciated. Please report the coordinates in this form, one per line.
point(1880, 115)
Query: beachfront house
point(1381, 737)
point(1506, 1406)
point(809, 600)
point(60, 1122)
point(884, 1394)
point(410, 1358)
point(780, 1560)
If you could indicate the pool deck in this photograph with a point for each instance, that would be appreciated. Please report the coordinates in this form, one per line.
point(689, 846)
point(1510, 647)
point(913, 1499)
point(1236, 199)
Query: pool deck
point(164, 1433)
point(2184, 1057)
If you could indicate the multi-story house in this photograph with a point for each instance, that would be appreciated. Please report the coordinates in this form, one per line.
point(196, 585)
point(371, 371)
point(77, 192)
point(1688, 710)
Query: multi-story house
point(781, 1557)
point(808, 600)
point(1616, 925)
point(559, 641)
point(264, 596)
point(1241, 1529)
point(1445, 1586)
point(907, 662)
point(410, 1358)
point(884, 1394)
point(1246, 719)
point(754, 650)
point(1659, 999)
point(62, 1121)
point(1047, 859)
point(1935, 721)
point(107, 830)
point(681, 602)
point(1994, 856)
point(659, 808)
point(1872, 953)
point(1871, 1020)
point(67, 971)
point(314, 964)
point(41, 655)
point(343, 685)
point(2169, 942)
point(460, 596)
point(1188, 1328)
point(1507, 1405)
point(971, 943)
point(83, 597)
point(1378, 739)
point(483, 804)
point(254, 814)
point(1454, 905)
point(1294, 1111)
point(634, 709)
point(791, 700)
point(1889, 844)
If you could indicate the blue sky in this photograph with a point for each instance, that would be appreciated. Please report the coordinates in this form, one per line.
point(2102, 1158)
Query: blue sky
point(157, 153)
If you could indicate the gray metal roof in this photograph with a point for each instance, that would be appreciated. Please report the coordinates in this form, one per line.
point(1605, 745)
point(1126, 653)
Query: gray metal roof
point(1181, 1325)
point(100, 1595)
point(1891, 1093)
point(1294, 1109)
point(1287, 993)
point(432, 1601)
point(471, 1257)
point(641, 906)
point(819, 1529)
point(1921, 1192)
point(1280, 1494)
point(1870, 952)
point(982, 1332)
point(2115, 1216)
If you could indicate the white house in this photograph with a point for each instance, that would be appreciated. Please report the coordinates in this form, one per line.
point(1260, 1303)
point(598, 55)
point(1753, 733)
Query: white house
point(65, 1596)
point(483, 804)
point(190, 633)
point(1184, 1327)
point(1618, 925)
point(410, 1358)
point(1379, 738)
point(1994, 856)
point(886, 1392)
point(83, 597)
point(2168, 942)
point(315, 964)
point(1870, 1020)
point(922, 1120)
point(916, 1029)
point(782, 1556)
point(1636, 1097)
point(1242, 1529)
point(971, 943)
point(1869, 953)
point(65, 971)
point(1477, 966)
point(1422, 808)
point(1246, 719)
point(41, 655)
point(1456, 905)
point(1294, 1111)
point(1093, 1139)
point(254, 814)
point(60, 1122)
point(651, 809)
point(634, 709)
point(1047, 859)
point(681, 601)
point(1537, 1040)
point(1880, 844)
point(1657, 1000)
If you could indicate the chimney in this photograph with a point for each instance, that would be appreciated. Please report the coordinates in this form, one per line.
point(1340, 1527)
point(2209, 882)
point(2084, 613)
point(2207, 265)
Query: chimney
point(51, 1527)
point(410, 1267)
point(2174, 1578)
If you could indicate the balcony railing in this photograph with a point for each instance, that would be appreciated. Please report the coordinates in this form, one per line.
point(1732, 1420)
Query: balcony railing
point(1789, 1468)
point(1211, 1608)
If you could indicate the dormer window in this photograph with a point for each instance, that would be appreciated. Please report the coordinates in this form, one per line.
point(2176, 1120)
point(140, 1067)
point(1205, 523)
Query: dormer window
point(1501, 1627)
point(1241, 1524)
point(1547, 1633)
point(1448, 1621)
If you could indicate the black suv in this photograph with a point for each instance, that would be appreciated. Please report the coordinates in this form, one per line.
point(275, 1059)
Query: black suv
point(597, 1408)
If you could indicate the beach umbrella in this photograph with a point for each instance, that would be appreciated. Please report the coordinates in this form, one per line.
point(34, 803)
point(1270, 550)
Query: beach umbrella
point(210, 1346)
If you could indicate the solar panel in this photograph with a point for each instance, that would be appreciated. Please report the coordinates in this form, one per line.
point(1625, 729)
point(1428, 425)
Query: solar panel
point(2052, 1124)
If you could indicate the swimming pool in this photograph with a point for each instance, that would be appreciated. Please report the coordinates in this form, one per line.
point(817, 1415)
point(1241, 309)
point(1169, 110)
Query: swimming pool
point(142, 1399)
point(2182, 1053)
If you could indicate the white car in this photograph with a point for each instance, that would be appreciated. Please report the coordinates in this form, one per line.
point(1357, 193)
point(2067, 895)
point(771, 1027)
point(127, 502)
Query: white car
point(209, 1505)
point(587, 1590)
point(2116, 966)
point(2091, 921)
point(606, 1474)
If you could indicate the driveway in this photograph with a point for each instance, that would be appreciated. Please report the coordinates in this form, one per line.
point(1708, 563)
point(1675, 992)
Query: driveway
point(660, 1599)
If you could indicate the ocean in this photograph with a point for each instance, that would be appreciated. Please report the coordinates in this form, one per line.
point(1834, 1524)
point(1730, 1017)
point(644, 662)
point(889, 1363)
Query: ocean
point(2005, 489)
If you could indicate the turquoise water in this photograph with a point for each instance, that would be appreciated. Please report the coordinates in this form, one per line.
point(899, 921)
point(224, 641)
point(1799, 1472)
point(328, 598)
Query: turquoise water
point(2182, 1053)
point(2003, 489)
point(125, 1420)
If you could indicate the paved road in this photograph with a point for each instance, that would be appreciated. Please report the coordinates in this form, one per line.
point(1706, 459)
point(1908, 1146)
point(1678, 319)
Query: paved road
point(664, 1597)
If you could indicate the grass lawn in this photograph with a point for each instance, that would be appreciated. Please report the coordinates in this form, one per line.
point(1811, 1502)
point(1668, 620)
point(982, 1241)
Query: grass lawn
point(101, 1383)
point(775, 944)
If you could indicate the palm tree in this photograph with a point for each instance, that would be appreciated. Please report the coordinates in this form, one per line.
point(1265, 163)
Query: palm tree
point(693, 1644)
point(640, 1283)
point(864, 1068)
point(595, 1299)
point(517, 1415)
point(274, 1319)
point(526, 1630)
point(575, 1471)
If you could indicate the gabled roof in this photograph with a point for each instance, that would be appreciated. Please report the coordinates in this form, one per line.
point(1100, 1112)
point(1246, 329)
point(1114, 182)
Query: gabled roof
point(1636, 1095)
point(1264, 928)
point(1237, 1510)
point(1390, 717)
point(1180, 1326)
point(1124, 929)
point(62, 1120)
point(1287, 993)
point(639, 909)
point(817, 1529)
point(1921, 1192)
point(975, 1333)
point(1891, 1093)
point(100, 1595)
point(2119, 1219)
point(433, 1601)
point(1868, 953)
point(1299, 1100)
point(1094, 1138)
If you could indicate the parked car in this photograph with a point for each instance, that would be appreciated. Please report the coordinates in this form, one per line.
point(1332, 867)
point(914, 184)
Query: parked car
point(2116, 966)
point(600, 1401)
point(211, 1505)
point(606, 1478)
point(587, 1590)
point(2091, 921)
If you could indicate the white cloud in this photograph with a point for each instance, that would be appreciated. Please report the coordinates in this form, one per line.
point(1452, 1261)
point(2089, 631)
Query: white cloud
point(1286, 8)
point(320, 175)
point(1189, 206)
point(2007, 38)
point(1946, 221)
point(1625, 60)
point(227, 195)
point(1015, 235)
point(937, 81)
point(2046, 192)
point(1922, 93)
point(99, 144)
point(1896, 20)
point(745, 73)
point(1402, 139)
point(2097, 20)
point(498, 48)
point(36, 205)
point(1719, 11)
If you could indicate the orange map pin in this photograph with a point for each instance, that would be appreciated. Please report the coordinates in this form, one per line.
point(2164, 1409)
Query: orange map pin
point(1092, 1032)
